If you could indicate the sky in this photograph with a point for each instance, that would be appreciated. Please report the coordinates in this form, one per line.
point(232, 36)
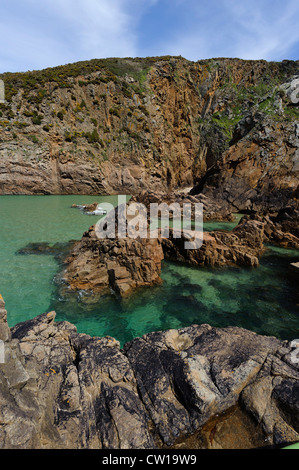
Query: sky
point(37, 34)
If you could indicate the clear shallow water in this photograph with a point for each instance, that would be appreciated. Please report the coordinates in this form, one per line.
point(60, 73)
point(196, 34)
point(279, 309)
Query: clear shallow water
point(263, 299)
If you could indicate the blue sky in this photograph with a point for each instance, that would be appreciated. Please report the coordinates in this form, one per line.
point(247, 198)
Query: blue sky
point(36, 34)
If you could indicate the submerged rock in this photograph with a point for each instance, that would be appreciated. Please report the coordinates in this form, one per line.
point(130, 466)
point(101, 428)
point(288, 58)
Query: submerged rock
point(58, 250)
point(62, 389)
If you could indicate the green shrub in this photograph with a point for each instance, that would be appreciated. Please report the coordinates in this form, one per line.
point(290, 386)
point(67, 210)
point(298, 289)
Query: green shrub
point(60, 115)
point(92, 137)
point(33, 139)
point(114, 112)
point(37, 119)
point(94, 122)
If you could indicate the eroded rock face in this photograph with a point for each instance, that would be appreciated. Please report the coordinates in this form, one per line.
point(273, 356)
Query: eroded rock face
point(260, 171)
point(212, 209)
point(118, 264)
point(281, 229)
point(242, 246)
point(61, 389)
point(125, 125)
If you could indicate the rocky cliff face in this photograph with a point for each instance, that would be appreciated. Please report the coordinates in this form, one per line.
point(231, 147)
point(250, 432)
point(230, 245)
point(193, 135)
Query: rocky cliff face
point(260, 169)
point(220, 388)
point(114, 125)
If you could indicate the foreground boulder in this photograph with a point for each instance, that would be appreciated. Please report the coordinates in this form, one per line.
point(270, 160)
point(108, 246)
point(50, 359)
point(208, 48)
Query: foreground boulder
point(61, 389)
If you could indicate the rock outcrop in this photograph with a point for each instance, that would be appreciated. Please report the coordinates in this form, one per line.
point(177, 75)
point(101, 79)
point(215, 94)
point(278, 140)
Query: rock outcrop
point(63, 390)
point(118, 264)
point(242, 246)
point(281, 229)
point(86, 207)
point(212, 209)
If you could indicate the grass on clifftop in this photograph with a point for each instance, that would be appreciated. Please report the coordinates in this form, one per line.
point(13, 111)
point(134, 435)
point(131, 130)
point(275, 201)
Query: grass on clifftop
point(110, 69)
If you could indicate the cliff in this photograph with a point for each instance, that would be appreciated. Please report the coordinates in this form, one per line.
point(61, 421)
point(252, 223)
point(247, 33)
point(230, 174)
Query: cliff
point(124, 125)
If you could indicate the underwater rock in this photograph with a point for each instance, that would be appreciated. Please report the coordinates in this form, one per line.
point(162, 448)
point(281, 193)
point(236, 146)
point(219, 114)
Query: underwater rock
point(58, 250)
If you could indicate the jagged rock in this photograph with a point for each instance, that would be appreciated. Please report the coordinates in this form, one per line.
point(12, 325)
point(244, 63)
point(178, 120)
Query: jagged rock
point(282, 228)
point(259, 172)
point(86, 207)
point(291, 89)
point(118, 264)
point(212, 209)
point(4, 329)
point(62, 389)
point(287, 219)
point(295, 266)
point(122, 264)
point(242, 246)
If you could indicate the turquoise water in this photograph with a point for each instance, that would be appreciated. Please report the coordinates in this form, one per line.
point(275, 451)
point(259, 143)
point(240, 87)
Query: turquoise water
point(263, 299)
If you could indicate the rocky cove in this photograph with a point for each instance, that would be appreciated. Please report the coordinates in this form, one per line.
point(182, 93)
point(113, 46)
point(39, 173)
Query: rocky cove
point(225, 128)
point(193, 387)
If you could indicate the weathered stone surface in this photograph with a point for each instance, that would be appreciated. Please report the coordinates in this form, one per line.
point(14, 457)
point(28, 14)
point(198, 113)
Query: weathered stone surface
point(62, 389)
point(118, 264)
point(242, 246)
point(2, 92)
point(291, 89)
point(259, 172)
point(122, 264)
point(86, 207)
point(282, 228)
point(4, 329)
point(212, 209)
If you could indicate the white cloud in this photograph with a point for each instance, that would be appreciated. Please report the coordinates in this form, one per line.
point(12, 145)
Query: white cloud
point(267, 29)
point(35, 34)
point(55, 32)
point(261, 29)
